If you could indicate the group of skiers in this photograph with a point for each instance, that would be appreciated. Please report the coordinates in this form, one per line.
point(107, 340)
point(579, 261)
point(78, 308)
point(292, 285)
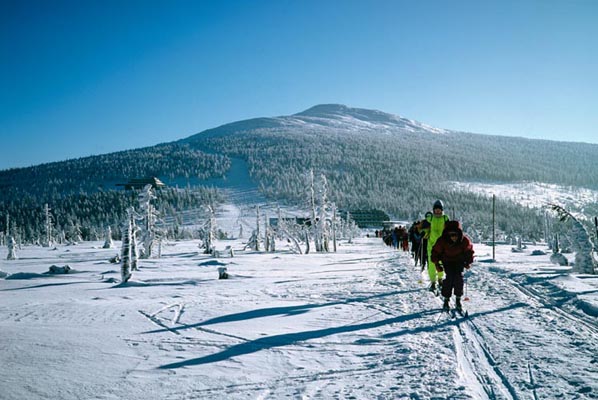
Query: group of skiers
point(397, 237)
point(440, 243)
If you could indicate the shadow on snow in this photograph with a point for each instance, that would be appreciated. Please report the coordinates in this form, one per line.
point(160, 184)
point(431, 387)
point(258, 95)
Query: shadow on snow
point(267, 312)
point(290, 338)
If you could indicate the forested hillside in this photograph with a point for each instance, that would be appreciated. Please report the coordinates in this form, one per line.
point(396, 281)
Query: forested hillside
point(371, 160)
point(83, 196)
point(376, 160)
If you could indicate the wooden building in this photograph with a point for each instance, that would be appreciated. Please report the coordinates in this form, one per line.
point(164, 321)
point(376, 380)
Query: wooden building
point(139, 183)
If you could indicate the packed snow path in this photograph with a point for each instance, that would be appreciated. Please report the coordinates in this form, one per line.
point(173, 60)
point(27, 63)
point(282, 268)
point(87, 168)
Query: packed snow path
point(357, 324)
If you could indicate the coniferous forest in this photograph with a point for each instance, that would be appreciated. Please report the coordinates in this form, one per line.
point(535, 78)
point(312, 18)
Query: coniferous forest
point(371, 160)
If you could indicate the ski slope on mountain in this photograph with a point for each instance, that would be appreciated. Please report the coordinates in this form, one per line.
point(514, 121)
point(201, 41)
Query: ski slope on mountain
point(358, 323)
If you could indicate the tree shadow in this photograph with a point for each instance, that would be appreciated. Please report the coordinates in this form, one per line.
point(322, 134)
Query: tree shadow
point(291, 338)
point(287, 311)
point(45, 285)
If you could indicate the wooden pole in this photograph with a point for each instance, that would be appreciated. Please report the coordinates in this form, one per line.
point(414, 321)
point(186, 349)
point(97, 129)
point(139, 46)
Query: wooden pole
point(493, 227)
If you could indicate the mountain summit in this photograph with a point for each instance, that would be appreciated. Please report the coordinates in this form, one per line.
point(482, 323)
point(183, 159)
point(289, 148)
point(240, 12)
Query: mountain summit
point(361, 116)
point(326, 118)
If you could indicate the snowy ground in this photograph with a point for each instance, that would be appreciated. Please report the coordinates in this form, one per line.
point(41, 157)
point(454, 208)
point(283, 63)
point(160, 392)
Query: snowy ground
point(356, 324)
point(532, 194)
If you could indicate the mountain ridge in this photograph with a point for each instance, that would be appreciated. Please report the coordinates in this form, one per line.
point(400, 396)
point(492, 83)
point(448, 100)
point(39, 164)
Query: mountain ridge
point(332, 116)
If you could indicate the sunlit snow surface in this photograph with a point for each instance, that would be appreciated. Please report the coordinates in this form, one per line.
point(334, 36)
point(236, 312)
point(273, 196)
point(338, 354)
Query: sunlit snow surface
point(532, 194)
point(356, 324)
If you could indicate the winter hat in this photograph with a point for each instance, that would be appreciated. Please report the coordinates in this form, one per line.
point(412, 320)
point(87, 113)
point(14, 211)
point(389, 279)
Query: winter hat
point(452, 226)
point(438, 204)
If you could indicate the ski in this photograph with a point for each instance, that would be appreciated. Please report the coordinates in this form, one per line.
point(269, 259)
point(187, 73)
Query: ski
point(462, 313)
point(444, 311)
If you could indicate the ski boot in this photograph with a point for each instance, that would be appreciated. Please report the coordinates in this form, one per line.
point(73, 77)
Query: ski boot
point(433, 287)
point(458, 305)
point(445, 306)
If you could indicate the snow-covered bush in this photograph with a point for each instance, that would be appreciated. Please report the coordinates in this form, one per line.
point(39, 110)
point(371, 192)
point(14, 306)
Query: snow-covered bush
point(580, 241)
point(12, 248)
point(207, 231)
point(108, 241)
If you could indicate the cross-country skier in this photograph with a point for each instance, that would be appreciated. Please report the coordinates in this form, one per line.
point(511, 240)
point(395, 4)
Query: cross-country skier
point(434, 226)
point(452, 253)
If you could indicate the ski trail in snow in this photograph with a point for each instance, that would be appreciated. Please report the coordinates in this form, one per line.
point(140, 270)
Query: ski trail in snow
point(467, 368)
point(506, 347)
point(477, 370)
point(158, 322)
point(488, 374)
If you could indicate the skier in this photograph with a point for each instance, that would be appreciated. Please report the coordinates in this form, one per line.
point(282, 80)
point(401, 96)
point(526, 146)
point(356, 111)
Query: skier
point(415, 238)
point(452, 253)
point(434, 226)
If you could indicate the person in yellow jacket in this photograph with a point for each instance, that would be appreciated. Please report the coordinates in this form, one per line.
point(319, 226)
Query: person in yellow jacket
point(433, 227)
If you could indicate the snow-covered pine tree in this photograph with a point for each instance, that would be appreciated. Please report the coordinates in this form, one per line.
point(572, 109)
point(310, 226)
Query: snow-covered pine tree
point(312, 196)
point(266, 233)
point(48, 240)
point(149, 232)
point(108, 244)
point(12, 248)
point(349, 228)
point(582, 245)
point(125, 254)
point(6, 232)
point(207, 232)
point(134, 250)
point(334, 223)
point(74, 232)
point(256, 244)
point(322, 226)
point(280, 225)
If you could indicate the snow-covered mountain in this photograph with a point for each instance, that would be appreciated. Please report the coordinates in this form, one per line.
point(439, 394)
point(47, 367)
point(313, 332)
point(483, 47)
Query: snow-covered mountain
point(325, 118)
point(341, 116)
point(371, 159)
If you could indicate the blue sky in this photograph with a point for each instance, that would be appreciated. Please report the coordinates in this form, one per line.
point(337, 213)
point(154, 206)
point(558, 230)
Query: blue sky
point(87, 77)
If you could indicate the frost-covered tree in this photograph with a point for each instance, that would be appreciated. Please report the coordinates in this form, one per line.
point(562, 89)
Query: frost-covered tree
point(322, 227)
point(207, 232)
point(256, 234)
point(108, 244)
point(269, 235)
point(580, 241)
point(48, 239)
point(74, 232)
point(134, 249)
point(334, 225)
point(129, 247)
point(149, 231)
point(312, 198)
point(12, 248)
point(6, 232)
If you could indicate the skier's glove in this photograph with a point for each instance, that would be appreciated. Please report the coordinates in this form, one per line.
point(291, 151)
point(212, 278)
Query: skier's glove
point(439, 268)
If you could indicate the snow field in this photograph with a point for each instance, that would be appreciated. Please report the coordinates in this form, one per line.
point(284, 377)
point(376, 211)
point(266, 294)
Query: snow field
point(354, 324)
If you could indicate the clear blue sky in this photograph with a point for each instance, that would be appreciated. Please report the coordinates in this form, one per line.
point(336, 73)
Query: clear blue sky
point(87, 77)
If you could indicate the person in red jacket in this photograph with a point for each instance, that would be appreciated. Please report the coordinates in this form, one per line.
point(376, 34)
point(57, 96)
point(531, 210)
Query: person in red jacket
point(452, 253)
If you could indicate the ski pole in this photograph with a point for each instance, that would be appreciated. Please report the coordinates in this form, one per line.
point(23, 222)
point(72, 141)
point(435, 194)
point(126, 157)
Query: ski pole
point(465, 298)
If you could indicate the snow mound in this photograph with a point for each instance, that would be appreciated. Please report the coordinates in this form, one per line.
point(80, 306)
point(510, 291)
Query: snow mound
point(212, 262)
point(26, 275)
